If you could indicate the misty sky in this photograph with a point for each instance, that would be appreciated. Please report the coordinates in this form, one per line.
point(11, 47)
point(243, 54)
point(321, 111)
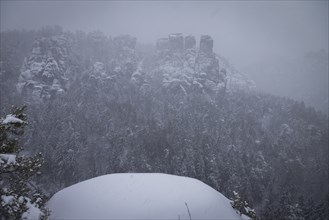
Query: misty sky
point(244, 32)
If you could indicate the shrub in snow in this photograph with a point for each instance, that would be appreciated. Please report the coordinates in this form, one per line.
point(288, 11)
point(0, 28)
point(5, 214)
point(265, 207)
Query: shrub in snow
point(242, 206)
point(17, 199)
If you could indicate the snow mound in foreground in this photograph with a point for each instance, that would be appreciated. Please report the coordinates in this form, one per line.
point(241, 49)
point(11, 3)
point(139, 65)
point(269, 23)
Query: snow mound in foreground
point(140, 196)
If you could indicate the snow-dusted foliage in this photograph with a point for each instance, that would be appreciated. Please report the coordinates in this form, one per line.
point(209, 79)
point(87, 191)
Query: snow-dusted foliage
point(241, 206)
point(17, 199)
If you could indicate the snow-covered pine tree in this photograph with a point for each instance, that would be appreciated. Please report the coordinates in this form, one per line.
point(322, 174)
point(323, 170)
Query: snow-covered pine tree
point(242, 206)
point(19, 198)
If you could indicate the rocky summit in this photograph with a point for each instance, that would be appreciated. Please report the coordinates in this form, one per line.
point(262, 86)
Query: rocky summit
point(186, 67)
point(178, 63)
point(189, 42)
point(206, 44)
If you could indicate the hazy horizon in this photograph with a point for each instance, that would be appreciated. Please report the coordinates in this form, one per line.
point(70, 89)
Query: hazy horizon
point(244, 32)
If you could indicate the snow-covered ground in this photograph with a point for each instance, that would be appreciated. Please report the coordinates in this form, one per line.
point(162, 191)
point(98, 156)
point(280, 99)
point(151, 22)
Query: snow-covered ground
point(140, 196)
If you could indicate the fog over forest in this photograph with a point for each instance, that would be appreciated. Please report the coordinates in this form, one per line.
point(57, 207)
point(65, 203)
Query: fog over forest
point(251, 35)
point(231, 93)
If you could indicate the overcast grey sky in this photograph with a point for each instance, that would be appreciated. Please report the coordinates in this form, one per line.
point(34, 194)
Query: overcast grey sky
point(244, 31)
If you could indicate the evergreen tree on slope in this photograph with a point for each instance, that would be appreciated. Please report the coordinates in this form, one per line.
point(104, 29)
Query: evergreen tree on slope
point(19, 198)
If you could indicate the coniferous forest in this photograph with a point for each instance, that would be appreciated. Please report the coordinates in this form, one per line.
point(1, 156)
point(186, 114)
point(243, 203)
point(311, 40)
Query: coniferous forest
point(98, 104)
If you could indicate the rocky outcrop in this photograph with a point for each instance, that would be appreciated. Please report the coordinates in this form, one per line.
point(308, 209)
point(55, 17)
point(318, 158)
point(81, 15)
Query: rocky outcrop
point(196, 68)
point(190, 42)
point(206, 44)
point(185, 70)
point(176, 41)
point(43, 72)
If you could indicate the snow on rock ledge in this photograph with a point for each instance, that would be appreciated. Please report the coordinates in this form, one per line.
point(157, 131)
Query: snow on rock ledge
point(140, 196)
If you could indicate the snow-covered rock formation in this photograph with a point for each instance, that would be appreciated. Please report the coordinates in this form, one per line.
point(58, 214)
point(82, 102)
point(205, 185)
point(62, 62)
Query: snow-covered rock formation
point(43, 72)
point(180, 66)
point(185, 69)
point(141, 196)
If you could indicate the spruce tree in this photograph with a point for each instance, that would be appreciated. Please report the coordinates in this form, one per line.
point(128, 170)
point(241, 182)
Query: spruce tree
point(19, 198)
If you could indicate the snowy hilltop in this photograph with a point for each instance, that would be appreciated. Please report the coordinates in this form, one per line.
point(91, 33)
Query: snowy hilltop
point(141, 196)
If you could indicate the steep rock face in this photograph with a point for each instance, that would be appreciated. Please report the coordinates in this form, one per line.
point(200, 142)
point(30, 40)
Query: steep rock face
point(176, 41)
point(206, 44)
point(186, 71)
point(43, 72)
point(190, 42)
point(209, 73)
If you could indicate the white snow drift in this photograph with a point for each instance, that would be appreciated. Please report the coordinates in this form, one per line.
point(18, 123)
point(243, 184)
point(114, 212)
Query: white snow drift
point(140, 196)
